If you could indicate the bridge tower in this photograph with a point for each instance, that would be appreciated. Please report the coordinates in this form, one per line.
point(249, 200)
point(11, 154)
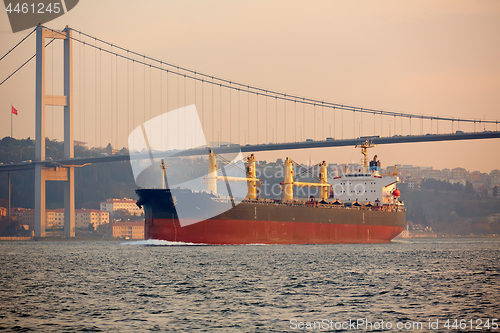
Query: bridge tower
point(42, 173)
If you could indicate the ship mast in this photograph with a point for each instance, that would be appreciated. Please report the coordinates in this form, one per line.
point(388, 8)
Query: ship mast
point(364, 150)
point(212, 173)
point(251, 184)
point(164, 167)
point(323, 174)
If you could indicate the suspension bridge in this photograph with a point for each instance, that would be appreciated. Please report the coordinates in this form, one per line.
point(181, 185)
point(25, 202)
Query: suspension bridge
point(110, 90)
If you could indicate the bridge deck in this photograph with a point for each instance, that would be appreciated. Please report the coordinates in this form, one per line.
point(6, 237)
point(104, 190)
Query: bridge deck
point(256, 148)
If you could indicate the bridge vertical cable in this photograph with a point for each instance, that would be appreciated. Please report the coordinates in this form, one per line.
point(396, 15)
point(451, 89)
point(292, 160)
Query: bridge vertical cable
point(150, 98)
point(295, 122)
point(303, 121)
point(144, 90)
point(213, 113)
point(100, 100)
point(314, 121)
point(161, 103)
point(284, 112)
point(128, 96)
point(111, 96)
point(257, 128)
point(281, 118)
point(322, 121)
point(133, 94)
point(248, 115)
point(220, 113)
point(95, 93)
point(239, 118)
point(267, 118)
point(276, 122)
point(116, 96)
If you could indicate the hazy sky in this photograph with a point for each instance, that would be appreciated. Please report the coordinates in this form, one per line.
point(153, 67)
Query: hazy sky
point(433, 57)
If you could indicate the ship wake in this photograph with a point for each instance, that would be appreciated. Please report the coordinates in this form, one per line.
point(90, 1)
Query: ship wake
point(159, 242)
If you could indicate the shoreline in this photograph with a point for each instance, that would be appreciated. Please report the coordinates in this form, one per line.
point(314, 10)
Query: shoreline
point(78, 239)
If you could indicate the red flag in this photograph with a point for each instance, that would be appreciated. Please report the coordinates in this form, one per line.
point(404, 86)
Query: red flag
point(14, 111)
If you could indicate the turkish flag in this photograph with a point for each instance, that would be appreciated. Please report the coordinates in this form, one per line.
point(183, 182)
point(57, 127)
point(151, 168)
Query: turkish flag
point(14, 111)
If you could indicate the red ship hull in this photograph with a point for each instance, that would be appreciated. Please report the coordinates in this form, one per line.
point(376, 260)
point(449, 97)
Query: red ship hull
point(261, 221)
point(216, 231)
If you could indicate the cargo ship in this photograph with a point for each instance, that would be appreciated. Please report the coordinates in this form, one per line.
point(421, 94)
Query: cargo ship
point(355, 207)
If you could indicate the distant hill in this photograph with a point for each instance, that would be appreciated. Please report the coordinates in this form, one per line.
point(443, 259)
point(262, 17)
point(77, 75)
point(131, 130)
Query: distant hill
point(447, 208)
point(456, 211)
point(93, 183)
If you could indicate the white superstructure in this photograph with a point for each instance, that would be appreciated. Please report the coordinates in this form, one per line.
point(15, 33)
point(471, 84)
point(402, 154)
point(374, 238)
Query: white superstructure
point(368, 187)
point(365, 187)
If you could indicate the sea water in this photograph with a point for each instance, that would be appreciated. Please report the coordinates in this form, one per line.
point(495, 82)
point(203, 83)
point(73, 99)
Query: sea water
point(160, 286)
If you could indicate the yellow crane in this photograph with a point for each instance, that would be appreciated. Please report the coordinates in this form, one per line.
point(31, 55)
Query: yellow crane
point(252, 181)
point(289, 183)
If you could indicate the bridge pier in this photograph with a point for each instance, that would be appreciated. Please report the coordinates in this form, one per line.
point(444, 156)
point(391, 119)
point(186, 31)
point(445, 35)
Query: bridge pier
point(42, 173)
point(39, 222)
point(69, 203)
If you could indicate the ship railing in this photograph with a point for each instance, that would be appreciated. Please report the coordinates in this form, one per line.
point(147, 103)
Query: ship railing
point(384, 208)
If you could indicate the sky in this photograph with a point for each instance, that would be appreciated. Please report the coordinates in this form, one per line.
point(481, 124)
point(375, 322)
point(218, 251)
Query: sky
point(438, 58)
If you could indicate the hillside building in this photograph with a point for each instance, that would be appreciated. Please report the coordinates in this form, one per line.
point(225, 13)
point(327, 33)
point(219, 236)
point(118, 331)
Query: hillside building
point(126, 230)
point(129, 205)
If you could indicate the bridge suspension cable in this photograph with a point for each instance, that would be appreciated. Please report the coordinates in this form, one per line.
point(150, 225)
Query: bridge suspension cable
point(265, 92)
point(22, 40)
point(26, 62)
point(104, 52)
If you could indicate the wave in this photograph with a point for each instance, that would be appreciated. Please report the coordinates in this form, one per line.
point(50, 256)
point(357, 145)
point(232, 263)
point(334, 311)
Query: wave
point(158, 242)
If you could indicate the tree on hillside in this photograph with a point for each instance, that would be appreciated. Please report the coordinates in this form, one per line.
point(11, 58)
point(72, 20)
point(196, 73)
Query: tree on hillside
point(109, 149)
point(468, 188)
point(122, 215)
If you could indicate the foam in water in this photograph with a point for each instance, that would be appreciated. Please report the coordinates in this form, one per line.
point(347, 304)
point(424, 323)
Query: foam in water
point(158, 242)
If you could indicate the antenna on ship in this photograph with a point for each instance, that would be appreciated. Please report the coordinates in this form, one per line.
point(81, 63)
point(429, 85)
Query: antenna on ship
point(364, 150)
point(164, 168)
